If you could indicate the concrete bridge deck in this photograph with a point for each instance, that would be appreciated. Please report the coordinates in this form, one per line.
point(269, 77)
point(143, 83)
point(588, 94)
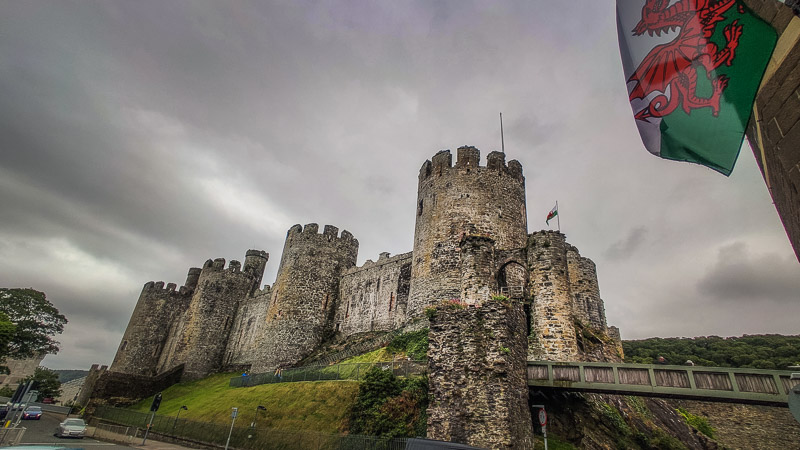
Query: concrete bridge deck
point(723, 384)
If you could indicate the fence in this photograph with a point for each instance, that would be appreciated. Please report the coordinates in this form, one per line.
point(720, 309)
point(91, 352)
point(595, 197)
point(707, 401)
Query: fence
point(11, 436)
point(214, 434)
point(354, 371)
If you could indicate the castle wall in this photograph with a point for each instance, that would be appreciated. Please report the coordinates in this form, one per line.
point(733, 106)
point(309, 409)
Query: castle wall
point(305, 294)
point(203, 333)
point(586, 302)
point(374, 296)
point(477, 376)
point(478, 277)
point(459, 200)
point(248, 325)
point(774, 127)
point(552, 320)
point(148, 328)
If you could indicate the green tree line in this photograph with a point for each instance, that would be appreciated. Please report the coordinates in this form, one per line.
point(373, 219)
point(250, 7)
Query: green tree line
point(768, 351)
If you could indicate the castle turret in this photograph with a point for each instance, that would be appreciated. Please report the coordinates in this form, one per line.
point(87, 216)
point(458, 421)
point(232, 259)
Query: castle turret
point(255, 261)
point(454, 201)
point(552, 319)
point(146, 334)
point(305, 293)
point(200, 339)
point(587, 304)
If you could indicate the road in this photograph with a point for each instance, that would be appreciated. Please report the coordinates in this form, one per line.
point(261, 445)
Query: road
point(41, 432)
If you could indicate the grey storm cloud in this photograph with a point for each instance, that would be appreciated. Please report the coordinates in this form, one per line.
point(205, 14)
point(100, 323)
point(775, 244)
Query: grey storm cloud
point(138, 139)
point(738, 276)
point(625, 248)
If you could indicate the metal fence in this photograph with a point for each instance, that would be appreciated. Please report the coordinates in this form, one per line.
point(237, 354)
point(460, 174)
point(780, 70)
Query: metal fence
point(11, 436)
point(354, 371)
point(205, 433)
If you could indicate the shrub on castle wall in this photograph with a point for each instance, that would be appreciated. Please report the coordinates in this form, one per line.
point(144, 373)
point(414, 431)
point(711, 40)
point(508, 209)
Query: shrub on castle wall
point(388, 406)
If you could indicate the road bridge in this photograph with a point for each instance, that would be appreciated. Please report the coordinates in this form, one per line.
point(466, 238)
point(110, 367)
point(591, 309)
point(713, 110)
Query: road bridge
point(723, 384)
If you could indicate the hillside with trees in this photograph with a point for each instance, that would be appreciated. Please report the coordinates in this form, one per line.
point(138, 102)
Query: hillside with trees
point(769, 351)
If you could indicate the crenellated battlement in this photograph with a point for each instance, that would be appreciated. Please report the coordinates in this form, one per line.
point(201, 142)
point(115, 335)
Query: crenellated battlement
point(383, 259)
point(468, 159)
point(157, 289)
point(234, 266)
point(311, 230)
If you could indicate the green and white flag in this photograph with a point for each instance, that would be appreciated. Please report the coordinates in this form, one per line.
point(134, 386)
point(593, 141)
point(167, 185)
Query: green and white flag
point(693, 68)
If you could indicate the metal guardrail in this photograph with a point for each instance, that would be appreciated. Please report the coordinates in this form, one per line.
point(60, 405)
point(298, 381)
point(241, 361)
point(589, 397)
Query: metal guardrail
point(215, 434)
point(757, 386)
point(354, 371)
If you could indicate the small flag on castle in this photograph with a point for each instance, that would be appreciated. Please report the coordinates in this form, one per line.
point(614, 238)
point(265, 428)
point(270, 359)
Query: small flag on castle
point(693, 69)
point(553, 213)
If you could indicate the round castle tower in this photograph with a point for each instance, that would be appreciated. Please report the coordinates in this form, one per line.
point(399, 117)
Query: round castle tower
point(305, 293)
point(147, 330)
point(208, 321)
point(552, 317)
point(456, 201)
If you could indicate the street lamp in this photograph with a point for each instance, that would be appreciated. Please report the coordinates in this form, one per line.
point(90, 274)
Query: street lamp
point(182, 408)
point(259, 407)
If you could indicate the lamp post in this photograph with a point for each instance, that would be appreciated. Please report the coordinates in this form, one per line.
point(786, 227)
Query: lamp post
point(182, 408)
point(259, 407)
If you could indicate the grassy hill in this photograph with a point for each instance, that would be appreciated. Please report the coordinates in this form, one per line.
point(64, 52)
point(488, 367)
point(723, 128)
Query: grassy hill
point(319, 405)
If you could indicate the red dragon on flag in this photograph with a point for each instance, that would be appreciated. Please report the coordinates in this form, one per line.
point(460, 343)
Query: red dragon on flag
point(673, 65)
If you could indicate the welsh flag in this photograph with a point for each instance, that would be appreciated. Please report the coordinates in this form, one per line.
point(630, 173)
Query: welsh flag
point(553, 212)
point(693, 68)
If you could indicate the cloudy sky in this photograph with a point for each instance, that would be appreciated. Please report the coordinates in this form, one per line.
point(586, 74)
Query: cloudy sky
point(140, 138)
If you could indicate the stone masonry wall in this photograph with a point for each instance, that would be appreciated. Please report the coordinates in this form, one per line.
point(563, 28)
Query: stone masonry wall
point(587, 304)
point(204, 331)
point(248, 324)
point(477, 376)
point(305, 294)
point(457, 200)
point(552, 319)
point(478, 277)
point(374, 296)
point(149, 325)
point(774, 128)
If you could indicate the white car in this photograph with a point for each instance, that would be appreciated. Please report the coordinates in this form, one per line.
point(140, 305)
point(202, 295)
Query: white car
point(71, 428)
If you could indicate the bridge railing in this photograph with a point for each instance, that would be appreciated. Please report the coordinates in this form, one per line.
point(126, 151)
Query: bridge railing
point(710, 383)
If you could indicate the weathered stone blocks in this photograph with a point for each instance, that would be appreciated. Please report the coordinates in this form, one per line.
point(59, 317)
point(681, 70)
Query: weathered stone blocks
point(477, 376)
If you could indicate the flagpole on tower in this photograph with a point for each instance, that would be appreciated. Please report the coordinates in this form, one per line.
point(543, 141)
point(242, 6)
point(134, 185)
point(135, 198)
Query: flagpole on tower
point(558, 217)
point(502, 141)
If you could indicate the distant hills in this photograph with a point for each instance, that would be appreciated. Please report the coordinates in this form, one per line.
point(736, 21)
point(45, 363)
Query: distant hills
point(65, 375)
point(765, 351)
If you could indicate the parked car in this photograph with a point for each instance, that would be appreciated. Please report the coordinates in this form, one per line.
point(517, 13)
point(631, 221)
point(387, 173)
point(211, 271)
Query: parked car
point(32, 413)
point(71, 428)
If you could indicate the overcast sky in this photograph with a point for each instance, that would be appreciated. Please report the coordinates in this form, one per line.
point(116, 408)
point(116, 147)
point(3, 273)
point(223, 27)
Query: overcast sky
point(141, 138)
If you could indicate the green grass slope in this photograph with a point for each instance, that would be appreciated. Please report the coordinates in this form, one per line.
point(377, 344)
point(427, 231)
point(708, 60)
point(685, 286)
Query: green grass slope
point(315, 405)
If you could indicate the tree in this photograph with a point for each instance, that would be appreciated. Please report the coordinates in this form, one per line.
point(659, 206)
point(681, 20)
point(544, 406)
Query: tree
point(7, 332)
point(35, 321)
point(46, 382)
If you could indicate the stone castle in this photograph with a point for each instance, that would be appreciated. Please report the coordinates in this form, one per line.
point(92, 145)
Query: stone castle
point(471, 242)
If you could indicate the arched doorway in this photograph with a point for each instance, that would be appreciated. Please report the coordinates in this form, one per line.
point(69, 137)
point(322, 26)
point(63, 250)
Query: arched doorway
point(512, 280)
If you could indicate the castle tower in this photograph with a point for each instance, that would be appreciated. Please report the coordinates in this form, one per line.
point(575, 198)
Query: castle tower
point(202, 334)
point(147, 330)
point(305, 293)
point(552, 319)
point(587, 304)
point(478, 278)
point(255, 261)
point(454, 201)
